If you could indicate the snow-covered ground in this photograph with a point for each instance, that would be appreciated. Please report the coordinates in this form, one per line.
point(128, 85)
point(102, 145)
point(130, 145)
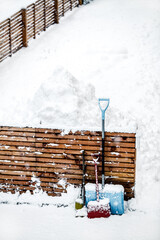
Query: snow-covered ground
point(108, 48)
point(49, 222)
point(57, 220)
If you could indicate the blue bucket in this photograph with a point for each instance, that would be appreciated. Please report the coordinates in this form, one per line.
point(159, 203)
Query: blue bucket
point(115, 194)
point(90, 193)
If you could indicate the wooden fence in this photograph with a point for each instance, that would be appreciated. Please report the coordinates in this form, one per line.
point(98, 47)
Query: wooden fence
point(33, 158)
point(16, 31)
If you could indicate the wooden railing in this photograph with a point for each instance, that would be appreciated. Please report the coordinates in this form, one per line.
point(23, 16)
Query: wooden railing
point(47, 156)
point(16, 31)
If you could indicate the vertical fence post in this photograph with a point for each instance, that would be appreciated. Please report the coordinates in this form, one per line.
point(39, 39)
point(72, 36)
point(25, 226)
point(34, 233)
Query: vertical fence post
point(24, 26)
point(44, 15)
point(10, 38)
point(34, 20)
point(56, 12)
point(63, 8)
point(71, 5)
point(80, 2)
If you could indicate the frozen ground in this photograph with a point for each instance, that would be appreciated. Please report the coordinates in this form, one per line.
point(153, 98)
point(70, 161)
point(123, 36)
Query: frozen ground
point(49, 222)
point(33, 221)
point(108, 48)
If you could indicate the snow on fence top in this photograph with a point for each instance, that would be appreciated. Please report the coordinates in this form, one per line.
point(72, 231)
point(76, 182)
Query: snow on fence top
point(16, 31)
point(34, 158)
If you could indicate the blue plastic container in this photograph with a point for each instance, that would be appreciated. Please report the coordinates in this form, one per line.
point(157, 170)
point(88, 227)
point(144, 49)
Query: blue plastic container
point(115, 194)
point(90, 192)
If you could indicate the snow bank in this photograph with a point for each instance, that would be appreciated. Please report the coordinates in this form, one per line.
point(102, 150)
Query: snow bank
point(62, 101)
point(40, 198)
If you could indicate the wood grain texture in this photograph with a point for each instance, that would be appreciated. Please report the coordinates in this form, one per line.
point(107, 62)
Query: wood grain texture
point(50, 155)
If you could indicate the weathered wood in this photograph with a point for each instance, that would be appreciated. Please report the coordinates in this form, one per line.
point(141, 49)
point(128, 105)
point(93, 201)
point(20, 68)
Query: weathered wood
point(24, 22)
point(80, 2)
point(10, 38)
point(51, 155)
point(56, 11)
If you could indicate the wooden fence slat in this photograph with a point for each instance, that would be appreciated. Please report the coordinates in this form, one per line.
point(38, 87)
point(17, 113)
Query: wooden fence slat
point(51, 155)
point(41, 15)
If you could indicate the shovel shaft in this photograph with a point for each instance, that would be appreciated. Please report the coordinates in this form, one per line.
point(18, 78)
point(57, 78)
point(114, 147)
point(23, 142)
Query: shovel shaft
point(103, 181)
point(97, 187)
point(83, 179)
point(103, 110)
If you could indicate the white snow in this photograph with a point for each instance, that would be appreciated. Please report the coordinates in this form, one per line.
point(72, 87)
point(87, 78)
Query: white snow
point(108, 48)
point(52, 144)
point(99, 203)
point(79, 200)
point(111, 188)
point(10, 7)
point(91, 186)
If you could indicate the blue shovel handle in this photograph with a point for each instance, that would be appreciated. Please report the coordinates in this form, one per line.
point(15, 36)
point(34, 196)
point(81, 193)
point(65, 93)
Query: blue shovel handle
point(103, 110)
point(103, 132)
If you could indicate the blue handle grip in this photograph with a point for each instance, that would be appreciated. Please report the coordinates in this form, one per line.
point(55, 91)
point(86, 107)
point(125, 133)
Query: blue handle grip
point(103, 110)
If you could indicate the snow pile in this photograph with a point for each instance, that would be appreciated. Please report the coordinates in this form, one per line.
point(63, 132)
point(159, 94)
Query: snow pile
point(62, 101)
point(40, 198)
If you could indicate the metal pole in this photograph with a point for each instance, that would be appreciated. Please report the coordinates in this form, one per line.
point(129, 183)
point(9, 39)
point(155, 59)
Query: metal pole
point(103, 134)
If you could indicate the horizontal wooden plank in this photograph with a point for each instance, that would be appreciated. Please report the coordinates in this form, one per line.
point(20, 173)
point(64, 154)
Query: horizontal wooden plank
point(19, 156)
point(63, 168)
point(86, 132)
point(40, 142)
point(52, 155)
point(61, 163)
point(65, 152)
point(18, 139)
point(51, 167)
point(30, 183)
point(53, 148)
point(49, 133)
point(17, 129)
point(20, 144)
point(46, 176)
point(2, 176)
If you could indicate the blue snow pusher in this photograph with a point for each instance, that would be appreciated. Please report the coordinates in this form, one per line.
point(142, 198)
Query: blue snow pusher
point(115, 194)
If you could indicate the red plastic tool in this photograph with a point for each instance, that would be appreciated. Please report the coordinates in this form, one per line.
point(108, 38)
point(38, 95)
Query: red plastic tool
point(101, 207)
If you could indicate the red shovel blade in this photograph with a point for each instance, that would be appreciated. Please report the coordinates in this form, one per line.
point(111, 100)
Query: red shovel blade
point(97, 209)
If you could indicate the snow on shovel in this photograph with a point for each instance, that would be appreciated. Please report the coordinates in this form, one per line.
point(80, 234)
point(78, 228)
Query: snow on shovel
point(99, 208)
point(103, 104)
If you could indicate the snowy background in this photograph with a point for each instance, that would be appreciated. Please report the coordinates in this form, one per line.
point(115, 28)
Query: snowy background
point(108, 48)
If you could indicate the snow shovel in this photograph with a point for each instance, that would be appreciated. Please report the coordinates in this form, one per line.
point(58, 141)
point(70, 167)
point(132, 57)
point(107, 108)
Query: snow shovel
point(99, 208)
point(80, 202)
point(104, 101)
